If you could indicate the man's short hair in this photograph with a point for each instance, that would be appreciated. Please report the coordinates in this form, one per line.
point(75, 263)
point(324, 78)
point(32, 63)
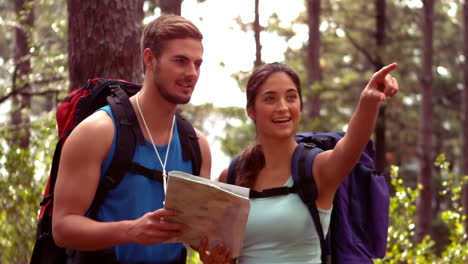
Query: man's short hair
point(167, 27)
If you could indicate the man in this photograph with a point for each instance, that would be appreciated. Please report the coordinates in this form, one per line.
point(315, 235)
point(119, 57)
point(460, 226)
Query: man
point(130, 226)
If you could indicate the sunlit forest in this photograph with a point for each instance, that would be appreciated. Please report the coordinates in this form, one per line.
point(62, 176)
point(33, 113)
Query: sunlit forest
point(49, 48)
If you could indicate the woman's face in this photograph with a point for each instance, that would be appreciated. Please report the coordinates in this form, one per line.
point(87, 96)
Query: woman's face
point(277, 107)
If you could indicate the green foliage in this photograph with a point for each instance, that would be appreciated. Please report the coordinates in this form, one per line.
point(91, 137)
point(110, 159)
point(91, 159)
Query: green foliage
point(237, 138)
point(401, 245)
point(242, 79)
point(237, 131)
point(49, 54)
point(197, 114)
point(22, 181)
point(192, 257)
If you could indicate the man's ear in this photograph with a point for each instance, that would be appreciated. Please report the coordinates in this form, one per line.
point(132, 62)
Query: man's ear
point(251, 112)
point(148, 58)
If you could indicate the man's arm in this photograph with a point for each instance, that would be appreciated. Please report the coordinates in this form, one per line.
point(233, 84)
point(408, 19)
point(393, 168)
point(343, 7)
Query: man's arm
point(78, 176)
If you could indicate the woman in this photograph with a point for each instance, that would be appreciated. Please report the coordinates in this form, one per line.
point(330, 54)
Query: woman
point(274, 103)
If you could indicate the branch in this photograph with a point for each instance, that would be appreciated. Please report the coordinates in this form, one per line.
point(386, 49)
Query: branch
point(12, 24)
point(50, 80)
point(44, 92)
point(354, 42)
point(361, 49)
point(20, 92)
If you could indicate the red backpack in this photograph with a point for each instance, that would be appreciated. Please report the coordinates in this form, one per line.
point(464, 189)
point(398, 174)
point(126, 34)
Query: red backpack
point(78, 105)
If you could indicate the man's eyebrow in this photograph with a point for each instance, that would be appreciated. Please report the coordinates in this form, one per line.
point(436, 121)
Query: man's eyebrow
point(184, 57)
point(180, 56)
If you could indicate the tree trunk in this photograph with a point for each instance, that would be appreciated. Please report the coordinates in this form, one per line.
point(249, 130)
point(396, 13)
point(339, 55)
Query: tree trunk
point(380, 126)
point(314, 72)
point(424, 200)
point(464, 115)
point(103, 40)
point(257, 30)
point(170, 6)
point(21, 103)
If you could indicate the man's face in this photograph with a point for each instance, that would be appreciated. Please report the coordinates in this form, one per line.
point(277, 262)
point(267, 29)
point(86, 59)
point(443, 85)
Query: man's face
point(177, 69)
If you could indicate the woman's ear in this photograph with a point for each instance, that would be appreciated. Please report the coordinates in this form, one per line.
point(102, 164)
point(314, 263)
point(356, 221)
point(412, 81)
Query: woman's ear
point(251, 112)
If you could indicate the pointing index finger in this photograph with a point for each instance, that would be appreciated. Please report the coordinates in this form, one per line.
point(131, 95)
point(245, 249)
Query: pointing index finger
point(380, 75)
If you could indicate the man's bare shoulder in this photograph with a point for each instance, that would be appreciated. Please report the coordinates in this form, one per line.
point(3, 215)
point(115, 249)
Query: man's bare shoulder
point(98, 123)
point(95, 132)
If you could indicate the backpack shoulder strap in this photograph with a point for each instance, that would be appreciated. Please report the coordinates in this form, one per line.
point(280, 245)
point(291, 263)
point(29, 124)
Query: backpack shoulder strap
point(127, 135)
point(189, 143)
point(301, 170)
point(231, 176)
point(231, 179)
point(305, 186)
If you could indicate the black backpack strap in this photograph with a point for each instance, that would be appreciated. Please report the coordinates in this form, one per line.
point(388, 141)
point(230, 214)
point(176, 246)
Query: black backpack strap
point(284, 190)
point(155, 175)
point(231, 179)
point(306, 187)
point(127, 133)
point(189, 142)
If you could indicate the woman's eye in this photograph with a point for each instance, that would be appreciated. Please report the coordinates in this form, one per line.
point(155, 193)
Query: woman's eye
point(292, 97)
point(269, 99)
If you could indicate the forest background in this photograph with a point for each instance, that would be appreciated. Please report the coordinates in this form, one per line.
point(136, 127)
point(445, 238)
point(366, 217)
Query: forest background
point(49, 48)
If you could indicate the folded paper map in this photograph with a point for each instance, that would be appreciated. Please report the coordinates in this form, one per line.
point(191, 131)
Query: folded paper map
point(210, 209)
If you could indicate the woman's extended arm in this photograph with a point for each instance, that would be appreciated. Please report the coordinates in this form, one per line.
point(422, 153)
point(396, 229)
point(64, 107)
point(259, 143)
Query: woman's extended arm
point(331, 167)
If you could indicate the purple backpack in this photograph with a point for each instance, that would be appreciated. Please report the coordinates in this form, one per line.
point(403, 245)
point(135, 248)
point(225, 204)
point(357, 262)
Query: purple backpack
point(359, 222)
point(360, 216)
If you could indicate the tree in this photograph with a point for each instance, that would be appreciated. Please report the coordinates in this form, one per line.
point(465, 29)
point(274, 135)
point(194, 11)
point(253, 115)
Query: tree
point(21, 101)
point(312, 64)
point(464, 114)
point(170, 6)
point(28, 69)
point(425, 156)
point(380, 126)
point(103, 40)
point(257, 29)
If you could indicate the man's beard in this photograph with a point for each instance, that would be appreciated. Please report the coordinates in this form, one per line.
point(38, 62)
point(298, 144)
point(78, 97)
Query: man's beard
point(164, 91)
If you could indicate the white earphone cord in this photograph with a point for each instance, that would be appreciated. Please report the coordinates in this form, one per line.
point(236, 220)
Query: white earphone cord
point(163, 165)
